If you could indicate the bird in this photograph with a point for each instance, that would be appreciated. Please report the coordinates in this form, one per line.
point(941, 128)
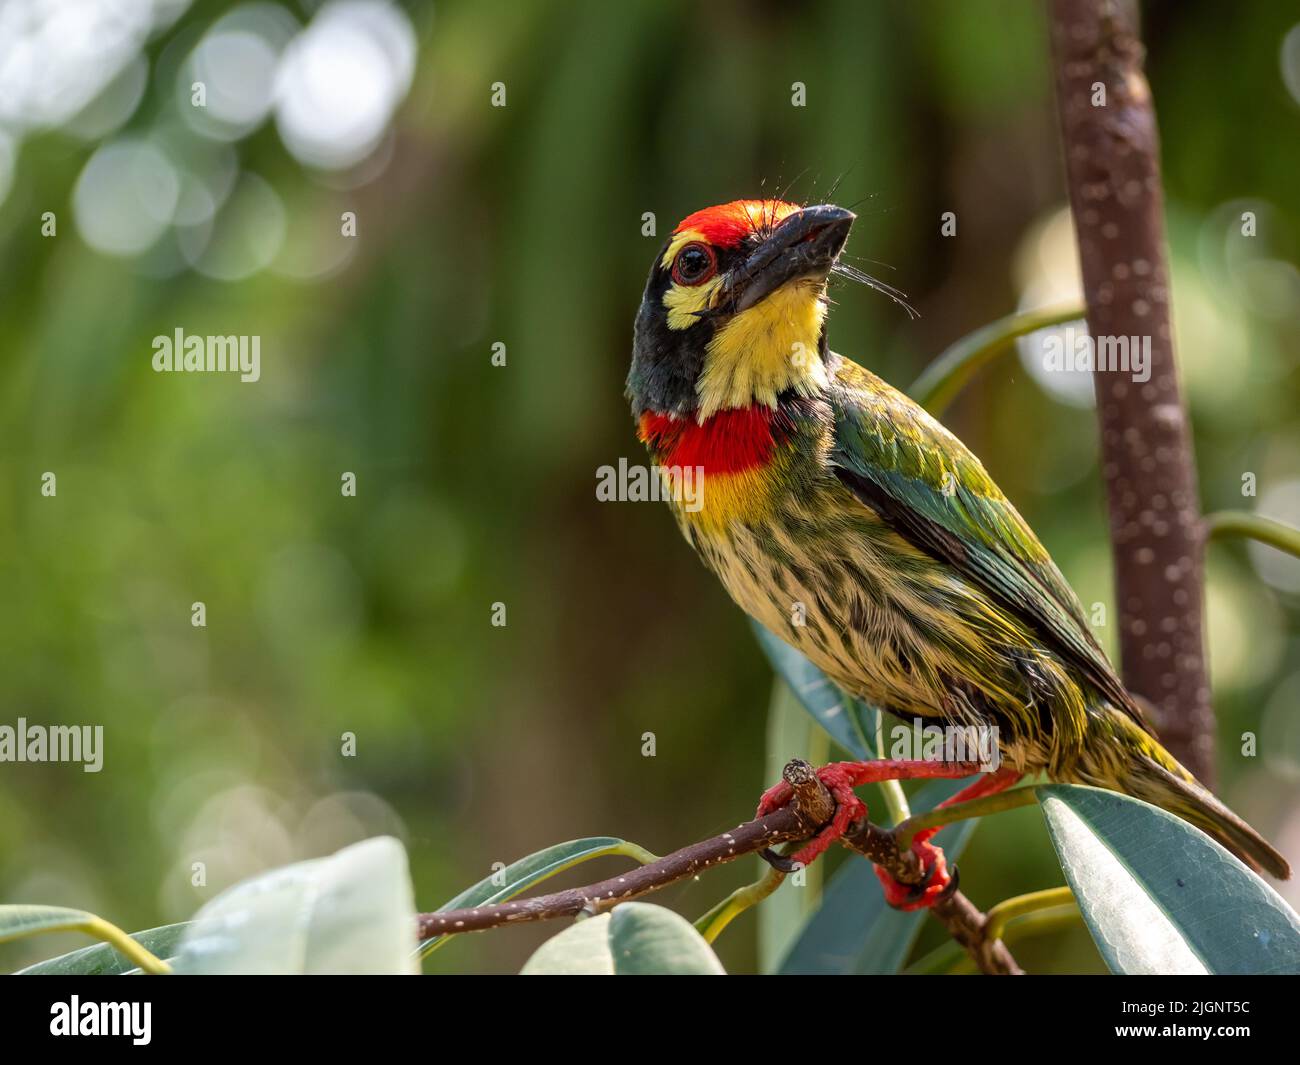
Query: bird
point(841, 515)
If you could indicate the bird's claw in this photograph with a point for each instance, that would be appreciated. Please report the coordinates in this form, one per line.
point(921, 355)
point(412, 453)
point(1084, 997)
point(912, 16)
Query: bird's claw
point(936, 883)
point(838, 779)
point(779, 862)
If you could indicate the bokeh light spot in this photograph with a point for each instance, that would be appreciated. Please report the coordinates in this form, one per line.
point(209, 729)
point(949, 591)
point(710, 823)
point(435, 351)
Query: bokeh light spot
point(341, 80)
point(125, 197)
point(244, 237)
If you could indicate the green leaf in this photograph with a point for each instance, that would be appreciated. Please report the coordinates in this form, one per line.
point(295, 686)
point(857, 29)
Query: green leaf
point(23, 920)
point(582, 949)
point(102, 960)
point(523, 874)
point(353, 912)
point(1160, 896)
point(648, 940)
point(791, 732)
point(855, 931)
point(636, 939)
point(850, 722)
point(18, 921)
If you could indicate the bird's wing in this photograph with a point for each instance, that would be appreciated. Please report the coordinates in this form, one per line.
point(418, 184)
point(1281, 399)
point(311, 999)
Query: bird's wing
point(926, 484)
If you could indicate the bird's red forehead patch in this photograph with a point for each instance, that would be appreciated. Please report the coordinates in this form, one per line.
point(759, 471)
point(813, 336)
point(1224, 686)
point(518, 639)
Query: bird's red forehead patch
point(727, 224)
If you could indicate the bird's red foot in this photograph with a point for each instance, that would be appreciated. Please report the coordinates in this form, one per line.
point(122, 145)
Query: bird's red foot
point(839, 778)
point(935, 885)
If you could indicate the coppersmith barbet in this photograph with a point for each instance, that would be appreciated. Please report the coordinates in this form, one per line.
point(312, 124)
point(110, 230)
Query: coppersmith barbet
point(922, 590)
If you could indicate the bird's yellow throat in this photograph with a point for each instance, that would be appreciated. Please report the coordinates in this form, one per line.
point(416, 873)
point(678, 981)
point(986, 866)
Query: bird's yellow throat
point(765, 350)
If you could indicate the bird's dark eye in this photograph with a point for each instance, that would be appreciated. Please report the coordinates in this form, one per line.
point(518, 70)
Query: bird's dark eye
point(694, 264)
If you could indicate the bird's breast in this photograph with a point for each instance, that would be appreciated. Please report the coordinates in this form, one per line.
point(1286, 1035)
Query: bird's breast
point(826, 574)
point(731, 468)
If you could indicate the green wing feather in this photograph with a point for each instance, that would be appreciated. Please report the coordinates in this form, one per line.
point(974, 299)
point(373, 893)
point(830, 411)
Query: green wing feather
point(925, 483)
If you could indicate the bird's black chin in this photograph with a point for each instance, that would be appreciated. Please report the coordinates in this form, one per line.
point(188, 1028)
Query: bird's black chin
point(805, 245)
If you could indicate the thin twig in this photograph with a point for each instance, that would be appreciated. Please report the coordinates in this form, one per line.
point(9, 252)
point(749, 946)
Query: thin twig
point(942, 380)
point(711, 925)
point(811, 809)
point(1277, 534)
point(951, 958)
point(1009, 909)
point(801, 819)
point(963, 811)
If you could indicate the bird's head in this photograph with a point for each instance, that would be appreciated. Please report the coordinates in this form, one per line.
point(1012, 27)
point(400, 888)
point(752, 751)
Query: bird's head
point(734, 310)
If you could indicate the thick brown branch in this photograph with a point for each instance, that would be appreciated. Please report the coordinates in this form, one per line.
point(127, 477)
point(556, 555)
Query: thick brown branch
point(812, 808)
point(1113, 171)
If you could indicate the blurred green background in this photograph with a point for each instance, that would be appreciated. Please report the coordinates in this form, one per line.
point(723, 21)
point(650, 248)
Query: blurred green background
point(476, 483)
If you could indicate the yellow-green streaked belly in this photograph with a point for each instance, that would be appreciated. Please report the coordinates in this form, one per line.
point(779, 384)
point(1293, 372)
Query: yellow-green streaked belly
point(882, 619)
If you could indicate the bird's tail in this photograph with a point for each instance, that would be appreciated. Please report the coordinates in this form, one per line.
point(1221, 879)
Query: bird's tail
point(1156, 777)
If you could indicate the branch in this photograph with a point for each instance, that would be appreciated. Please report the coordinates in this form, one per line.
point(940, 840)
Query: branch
point(965, 923)
point(1255, 526)
point(1113, 173)
point(811, 809)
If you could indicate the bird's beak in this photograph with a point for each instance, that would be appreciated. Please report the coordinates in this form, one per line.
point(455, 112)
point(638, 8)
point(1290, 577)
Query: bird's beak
point(805, 244)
